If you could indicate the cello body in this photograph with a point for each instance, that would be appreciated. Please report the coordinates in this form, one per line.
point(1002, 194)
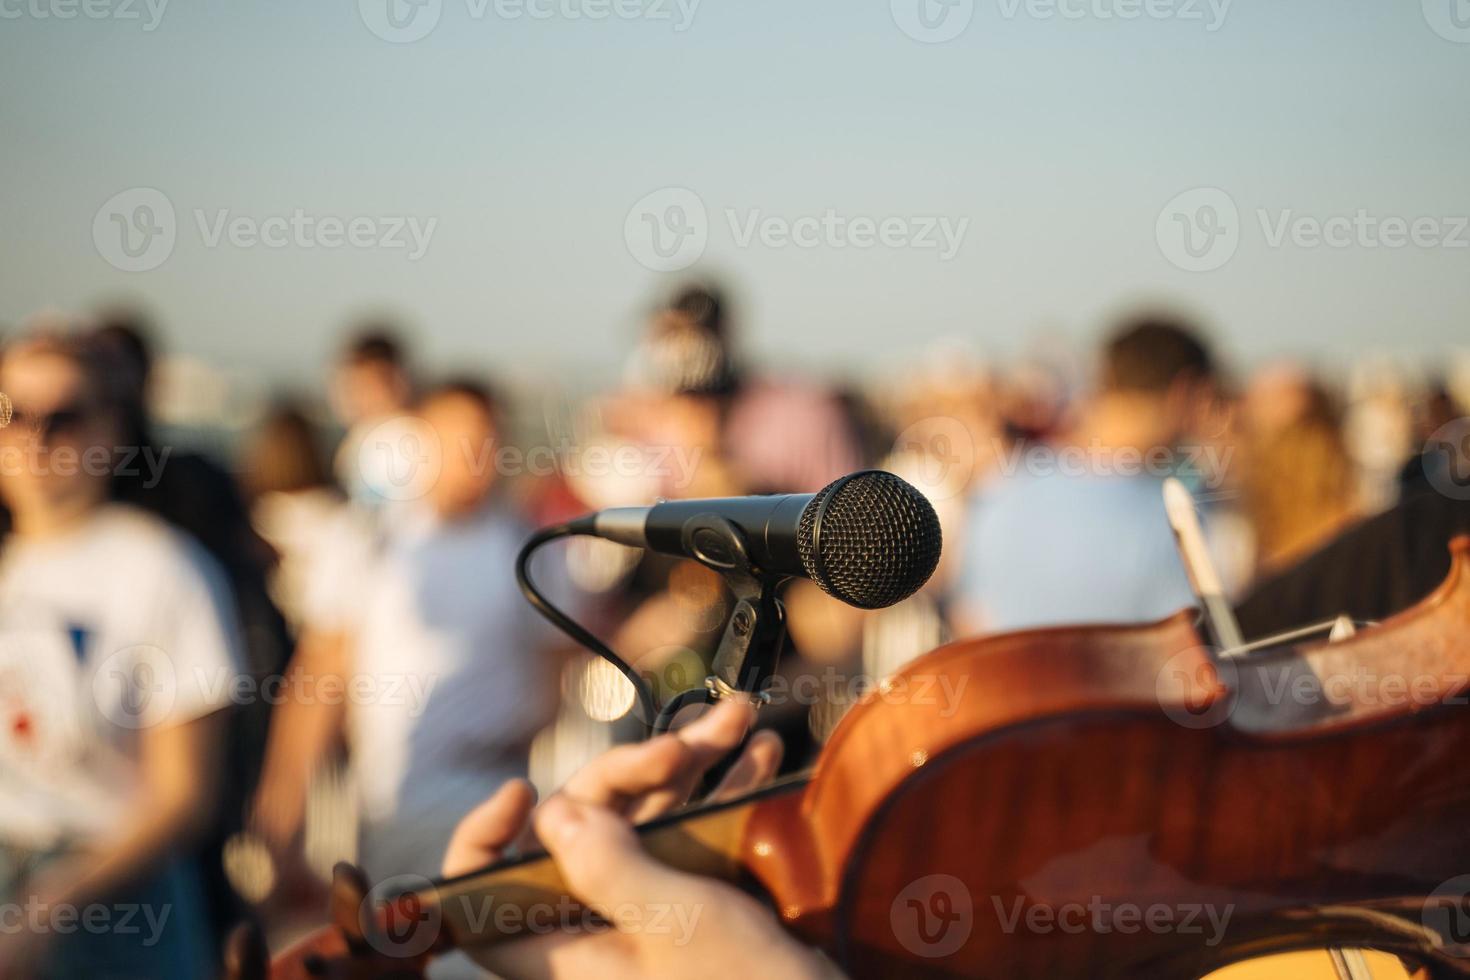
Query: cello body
point(1092, 802)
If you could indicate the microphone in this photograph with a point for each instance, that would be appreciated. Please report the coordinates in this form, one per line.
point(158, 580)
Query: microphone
point(869, 539)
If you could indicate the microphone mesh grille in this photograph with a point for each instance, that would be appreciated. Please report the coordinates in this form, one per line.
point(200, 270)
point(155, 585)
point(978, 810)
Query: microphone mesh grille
point(879, 539)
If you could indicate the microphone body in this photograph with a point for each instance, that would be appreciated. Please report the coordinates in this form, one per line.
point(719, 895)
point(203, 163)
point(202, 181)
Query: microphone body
point(769, 526)
point(869, 539)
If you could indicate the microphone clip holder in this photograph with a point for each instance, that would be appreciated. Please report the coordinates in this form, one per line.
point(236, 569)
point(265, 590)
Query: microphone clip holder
point(751, 645)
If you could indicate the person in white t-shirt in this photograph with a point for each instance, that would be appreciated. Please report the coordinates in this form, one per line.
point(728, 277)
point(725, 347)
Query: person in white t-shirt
point(118, 653)
point(441, 671)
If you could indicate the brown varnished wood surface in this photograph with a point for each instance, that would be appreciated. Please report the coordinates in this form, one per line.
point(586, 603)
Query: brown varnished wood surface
point(1066, 778)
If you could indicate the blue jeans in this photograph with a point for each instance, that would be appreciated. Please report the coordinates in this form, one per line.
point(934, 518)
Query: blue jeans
point(150, 930)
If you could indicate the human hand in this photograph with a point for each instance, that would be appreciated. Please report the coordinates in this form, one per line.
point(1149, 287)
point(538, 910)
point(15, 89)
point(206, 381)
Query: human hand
point(706, 928)
point(638, 781)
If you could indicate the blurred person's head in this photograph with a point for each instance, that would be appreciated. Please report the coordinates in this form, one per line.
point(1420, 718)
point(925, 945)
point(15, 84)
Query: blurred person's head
point(371, 379)
point(465, 416)
point(125, 338)
point(283, 455)
point(1278, 395)
point(1155, 355)
point(687, 348)
point(58, 450)
point(703, 306)
point(1435, 408)
point(1157, 369)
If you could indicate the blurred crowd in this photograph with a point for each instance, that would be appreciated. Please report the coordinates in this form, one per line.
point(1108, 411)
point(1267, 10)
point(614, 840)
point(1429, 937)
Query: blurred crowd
point(222, 672)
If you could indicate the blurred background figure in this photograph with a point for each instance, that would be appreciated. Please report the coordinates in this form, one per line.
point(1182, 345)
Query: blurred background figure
point(118, 650)
point(419, 615)
point(1378, 429)
point(292, 500)
point(1076, 532)
point(1300, 486)
point(688, 398)
point(370, 383)
point(1440, 429)
point(197, 494)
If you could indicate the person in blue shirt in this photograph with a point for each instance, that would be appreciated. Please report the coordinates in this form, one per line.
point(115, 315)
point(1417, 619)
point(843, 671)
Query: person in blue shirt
point(1073, 530)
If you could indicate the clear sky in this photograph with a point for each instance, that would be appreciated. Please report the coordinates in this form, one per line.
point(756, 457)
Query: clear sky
point(1057, 131)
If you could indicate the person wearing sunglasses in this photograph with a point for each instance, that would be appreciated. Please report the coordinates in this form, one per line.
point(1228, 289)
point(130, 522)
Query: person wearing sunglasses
point(117, 655)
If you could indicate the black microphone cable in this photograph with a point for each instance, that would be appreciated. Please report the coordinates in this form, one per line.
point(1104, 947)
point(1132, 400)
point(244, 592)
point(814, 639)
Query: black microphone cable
point(650, 715)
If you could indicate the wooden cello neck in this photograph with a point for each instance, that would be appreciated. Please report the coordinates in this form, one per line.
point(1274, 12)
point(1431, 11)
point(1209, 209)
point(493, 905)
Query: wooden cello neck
point(528, 895)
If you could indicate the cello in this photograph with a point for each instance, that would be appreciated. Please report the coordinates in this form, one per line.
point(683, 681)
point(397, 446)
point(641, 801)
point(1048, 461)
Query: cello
point(1093, 799)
